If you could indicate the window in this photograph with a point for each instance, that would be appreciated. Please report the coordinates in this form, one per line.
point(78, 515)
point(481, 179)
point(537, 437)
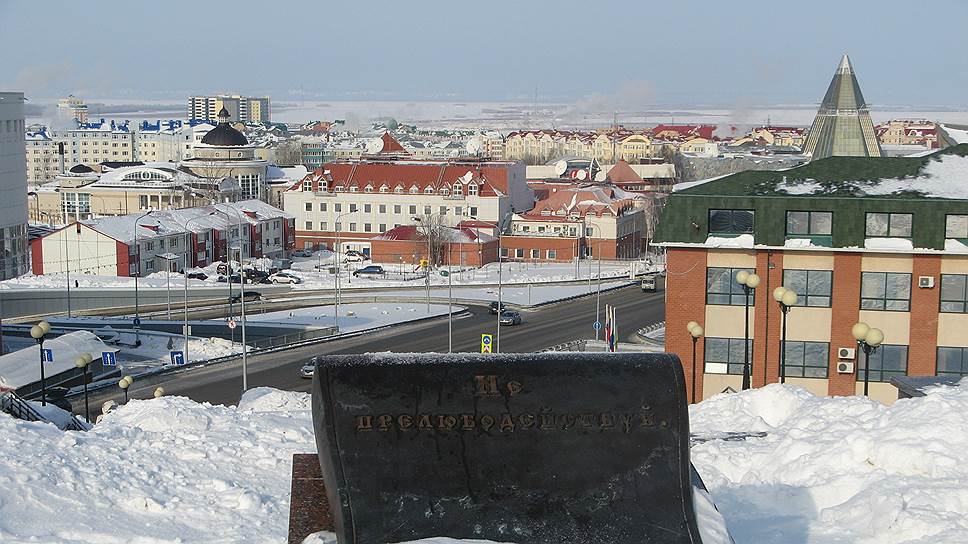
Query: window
point(813, 287)
point(806, 359)
point(472, 189)
point(429, 190)
point(413, 210)
point(722, 287)
point(368, 189)
point(458, 211)
point(519, 253)
point(730, 222)
point(367, 208)
point(396, 208)
point(322, 225)
point(956, 226)
point(339, 226)
point(337, 208)
point(352, 227)
point(954, 297)
point(398, 189)
point(952, 361)
point(458, 189)
point(725, 355)
point(383, 208)
point(322, 207)
point(552, 254)
point(885, 363)
point(443, 211)
point(893, 225)
point(383, 227)
point(890, 291)
point(473, 211)
point(413, 189)
point(535, 253)
point(427, 210)
point(352, 208)
point(504, 252)
point(367, 227)
point(307, 187)
point(809, 223)
point(354, 188)
point(309, 206)
point(309, 225)
point(384, 189)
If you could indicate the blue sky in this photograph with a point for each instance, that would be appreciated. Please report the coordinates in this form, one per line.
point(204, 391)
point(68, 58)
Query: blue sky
point(680, 52)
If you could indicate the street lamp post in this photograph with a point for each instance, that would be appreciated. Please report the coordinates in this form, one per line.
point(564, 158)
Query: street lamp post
point(696, 332)
point(787, 298)
point(749, 281)
point(241, 247)
point(83, 362)
point(336, 269)
point(868, 340)
point(37, 332)
point(137, 270)
point(598, 294)
point(429, 256)
point(124, 384)
point(189, 251)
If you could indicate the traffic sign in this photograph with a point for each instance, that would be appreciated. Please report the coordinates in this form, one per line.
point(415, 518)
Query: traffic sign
point(597, 325)
point(137, 322)
point(108, 358)
point(47, 356)
point(485, 343)
point(231, 323)
point(177, 358)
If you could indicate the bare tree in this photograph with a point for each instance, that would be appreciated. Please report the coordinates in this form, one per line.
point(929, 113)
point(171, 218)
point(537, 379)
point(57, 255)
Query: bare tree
point(288, 153)
point(435, 227)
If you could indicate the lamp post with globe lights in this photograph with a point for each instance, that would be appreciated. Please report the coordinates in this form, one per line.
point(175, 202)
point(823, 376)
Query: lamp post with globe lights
point(868, 340)
point(786, 298)
point(83, 362)
point(696, 332)
point(749, 281)
point(38, 332)
point(124, 384)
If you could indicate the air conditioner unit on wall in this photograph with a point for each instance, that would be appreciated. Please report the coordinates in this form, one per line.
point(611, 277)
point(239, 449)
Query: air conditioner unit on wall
point(846, 353)
point(926, 282)
point(844, 367)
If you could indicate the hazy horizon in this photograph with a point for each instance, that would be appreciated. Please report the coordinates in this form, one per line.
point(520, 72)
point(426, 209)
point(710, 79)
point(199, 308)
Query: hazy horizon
point(614, 55)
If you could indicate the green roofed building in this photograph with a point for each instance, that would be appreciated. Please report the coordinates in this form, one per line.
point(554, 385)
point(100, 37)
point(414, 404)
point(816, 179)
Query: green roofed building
point(879, 240)
point(843, 126)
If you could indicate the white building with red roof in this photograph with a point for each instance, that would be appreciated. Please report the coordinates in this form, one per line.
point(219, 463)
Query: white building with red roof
point(386, 188)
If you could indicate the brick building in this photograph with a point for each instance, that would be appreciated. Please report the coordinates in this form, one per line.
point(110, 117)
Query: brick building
point(890, 251)
point(407, 244)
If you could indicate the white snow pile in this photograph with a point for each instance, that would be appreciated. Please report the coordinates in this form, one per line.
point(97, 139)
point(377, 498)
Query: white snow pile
point(806, 187)
point(743, 241)
point(828, 470)
point(840, 469)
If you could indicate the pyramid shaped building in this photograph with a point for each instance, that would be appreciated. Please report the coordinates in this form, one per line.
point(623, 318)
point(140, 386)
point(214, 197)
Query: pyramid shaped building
point(843, 126)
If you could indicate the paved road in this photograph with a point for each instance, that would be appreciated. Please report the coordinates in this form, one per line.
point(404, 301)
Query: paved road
point(542, 328)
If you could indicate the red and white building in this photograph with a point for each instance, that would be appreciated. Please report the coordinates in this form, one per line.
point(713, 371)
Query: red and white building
point(114, 246)
point(354, 201)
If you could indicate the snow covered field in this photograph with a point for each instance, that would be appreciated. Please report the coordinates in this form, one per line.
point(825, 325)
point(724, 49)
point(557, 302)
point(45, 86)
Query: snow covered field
point(829, 470)
point(355, 317)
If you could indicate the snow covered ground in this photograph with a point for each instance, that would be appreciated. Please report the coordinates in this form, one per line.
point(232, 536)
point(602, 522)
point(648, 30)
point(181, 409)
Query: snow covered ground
point(355, 317)
point(829, 470)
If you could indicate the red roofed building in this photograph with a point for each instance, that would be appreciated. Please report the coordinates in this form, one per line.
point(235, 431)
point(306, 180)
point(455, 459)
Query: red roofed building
point(683, 132)
point(407, 245)
point(385, 189)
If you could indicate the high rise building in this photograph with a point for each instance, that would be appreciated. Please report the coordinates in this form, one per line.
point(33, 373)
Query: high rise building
point(843, 126)
point(13, 187)
point(72, 108)
point(242, 109)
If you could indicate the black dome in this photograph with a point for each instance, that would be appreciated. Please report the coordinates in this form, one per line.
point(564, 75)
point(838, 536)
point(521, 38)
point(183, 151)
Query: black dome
point(224, 134)
point(81, 169)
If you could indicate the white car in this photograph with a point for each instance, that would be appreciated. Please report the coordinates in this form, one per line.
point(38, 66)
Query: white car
point(354, 257)
point(284, 277)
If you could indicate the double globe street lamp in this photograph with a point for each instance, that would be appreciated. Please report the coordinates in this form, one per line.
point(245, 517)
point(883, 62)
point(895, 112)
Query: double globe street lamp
point(786, 298)
point(696, 332)
point(83, 361)
point(749, 281)
point(38, 332)
point(868, 340)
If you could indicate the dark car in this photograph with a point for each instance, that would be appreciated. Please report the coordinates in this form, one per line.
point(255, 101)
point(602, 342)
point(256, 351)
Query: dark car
point(510, 317)
point(371, 270)
point(257, 276)
point(235, 278)
point(197, 276)
point(250, 296)
point(497, 307)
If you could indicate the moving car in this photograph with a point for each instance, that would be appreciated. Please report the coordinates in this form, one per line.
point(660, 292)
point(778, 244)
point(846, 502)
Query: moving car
point(648, 284)
point(250, 296)
point(197, 276)
point(302, 253)
point(284, 277)
point(371, 270)
point(510, 317)
point(309, 368)
point(495, 307)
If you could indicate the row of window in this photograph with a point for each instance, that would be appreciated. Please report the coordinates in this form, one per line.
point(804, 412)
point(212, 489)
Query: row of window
point(458, 189)
point(412, 209)
point(808, 223)
point(884, 291)
point(811, 359)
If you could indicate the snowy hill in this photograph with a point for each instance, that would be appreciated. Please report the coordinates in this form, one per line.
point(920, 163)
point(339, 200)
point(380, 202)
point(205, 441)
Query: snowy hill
point(828, 470)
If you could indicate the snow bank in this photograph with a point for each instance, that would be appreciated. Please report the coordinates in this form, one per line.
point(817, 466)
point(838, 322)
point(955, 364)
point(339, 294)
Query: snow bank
point(842, 469)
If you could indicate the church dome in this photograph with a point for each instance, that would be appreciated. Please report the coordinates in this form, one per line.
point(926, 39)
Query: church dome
point(224, 134)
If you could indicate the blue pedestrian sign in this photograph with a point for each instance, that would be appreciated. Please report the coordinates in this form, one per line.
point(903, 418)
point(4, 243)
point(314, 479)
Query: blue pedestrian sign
point(178, 358)
point(108, 358)
point(598, 325)
point(47, 355)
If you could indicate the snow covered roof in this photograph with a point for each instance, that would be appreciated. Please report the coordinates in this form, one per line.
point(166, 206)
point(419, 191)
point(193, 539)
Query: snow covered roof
point(21, 367)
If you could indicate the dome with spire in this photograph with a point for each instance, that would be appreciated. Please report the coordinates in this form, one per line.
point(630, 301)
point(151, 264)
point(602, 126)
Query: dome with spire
point(224, 134)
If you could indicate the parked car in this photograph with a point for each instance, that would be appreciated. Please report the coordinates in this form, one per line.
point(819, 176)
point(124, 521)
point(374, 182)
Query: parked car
point(302, 253)
point(353, 256)
point(648, 284)
point(250, 296)
point(510, 317)
point(284, 277)
point(371, 270)
point(496, 307)
point(197, 276)
point(235, 278)
point(309, 368)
